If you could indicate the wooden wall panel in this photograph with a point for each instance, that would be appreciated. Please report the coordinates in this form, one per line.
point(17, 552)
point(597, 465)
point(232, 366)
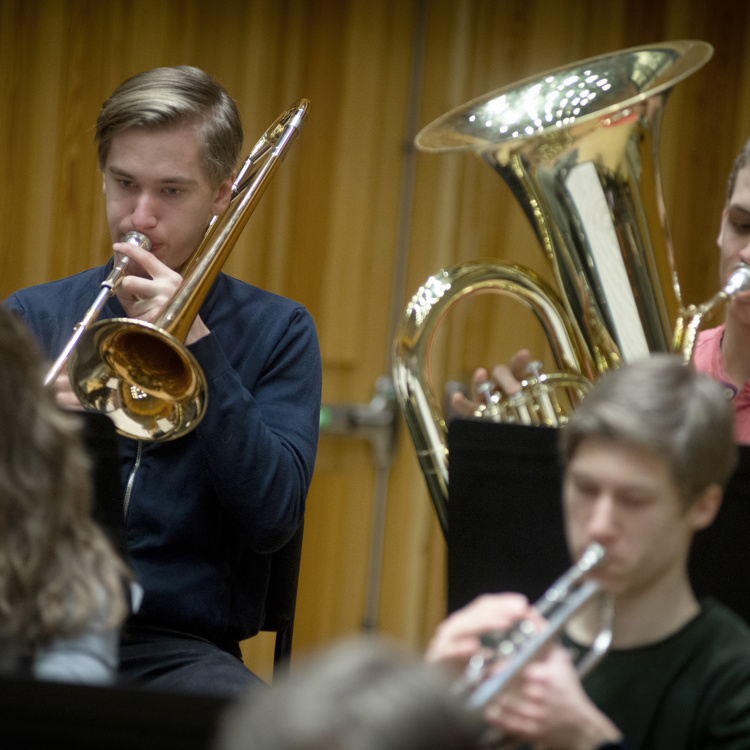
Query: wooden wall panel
point(326, 233)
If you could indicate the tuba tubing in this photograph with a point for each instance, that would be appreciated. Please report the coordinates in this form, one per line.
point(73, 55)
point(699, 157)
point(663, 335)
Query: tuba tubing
point(411, 355)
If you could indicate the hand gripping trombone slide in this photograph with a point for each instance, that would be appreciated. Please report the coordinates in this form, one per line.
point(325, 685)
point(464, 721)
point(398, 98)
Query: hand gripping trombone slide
point(520, 644)
point(106, 290)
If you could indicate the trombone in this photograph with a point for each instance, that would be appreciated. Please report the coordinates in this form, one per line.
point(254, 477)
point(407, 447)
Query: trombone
point(141, 374)
point(504, 654)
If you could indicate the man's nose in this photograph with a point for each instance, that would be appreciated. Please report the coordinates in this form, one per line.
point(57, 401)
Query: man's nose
point(601, 521)
point(144, 214)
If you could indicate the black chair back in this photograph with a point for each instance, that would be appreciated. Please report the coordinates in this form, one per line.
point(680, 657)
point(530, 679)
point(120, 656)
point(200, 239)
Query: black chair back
point(100, 440)
point(37, 715)
point(281, 600)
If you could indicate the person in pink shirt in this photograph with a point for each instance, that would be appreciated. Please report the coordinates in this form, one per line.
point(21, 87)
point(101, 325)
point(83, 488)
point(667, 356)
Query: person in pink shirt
point(723, 352)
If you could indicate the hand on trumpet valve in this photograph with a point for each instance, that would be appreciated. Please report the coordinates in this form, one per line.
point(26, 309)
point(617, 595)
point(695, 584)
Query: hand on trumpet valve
point(527, 685)
point(545, 702)
point(546, 705)
point(459, 637)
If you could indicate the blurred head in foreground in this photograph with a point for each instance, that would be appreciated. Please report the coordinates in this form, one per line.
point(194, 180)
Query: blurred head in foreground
point(359, 695)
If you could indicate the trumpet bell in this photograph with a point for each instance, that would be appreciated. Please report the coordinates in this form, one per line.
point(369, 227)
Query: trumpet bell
point(141, 376)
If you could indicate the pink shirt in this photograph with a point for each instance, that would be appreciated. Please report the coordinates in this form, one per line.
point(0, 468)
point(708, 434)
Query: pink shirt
point(707, 359)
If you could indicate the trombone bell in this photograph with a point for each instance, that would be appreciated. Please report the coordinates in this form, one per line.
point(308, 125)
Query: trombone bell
point(140, 376)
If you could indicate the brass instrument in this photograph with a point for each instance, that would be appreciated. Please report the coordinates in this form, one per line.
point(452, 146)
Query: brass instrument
point(106, 289)
point(578, 148)
point(505, 654)
point(141, 374)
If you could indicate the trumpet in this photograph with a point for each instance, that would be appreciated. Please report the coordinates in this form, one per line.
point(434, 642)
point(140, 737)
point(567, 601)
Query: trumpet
point(504, 654)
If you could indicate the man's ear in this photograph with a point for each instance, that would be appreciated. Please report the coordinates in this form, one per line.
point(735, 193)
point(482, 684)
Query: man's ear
point(223, 194)
point(104, 184)
point(705, 507)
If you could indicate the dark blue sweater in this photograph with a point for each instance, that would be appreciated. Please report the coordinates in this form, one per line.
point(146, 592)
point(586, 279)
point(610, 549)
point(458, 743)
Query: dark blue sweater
point(206, 509)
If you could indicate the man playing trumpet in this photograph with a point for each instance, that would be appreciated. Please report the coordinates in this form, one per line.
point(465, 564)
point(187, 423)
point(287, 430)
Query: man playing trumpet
point(723, 352)
point(647, 455)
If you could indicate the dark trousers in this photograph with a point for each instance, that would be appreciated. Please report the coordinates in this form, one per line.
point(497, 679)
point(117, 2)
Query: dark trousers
point(177, 662)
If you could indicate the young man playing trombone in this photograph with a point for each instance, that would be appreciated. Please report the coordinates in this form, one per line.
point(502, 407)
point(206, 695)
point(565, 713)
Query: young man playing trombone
point(204, 511)
point(647, 455)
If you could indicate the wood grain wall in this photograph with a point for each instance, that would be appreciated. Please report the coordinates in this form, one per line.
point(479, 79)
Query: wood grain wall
point(357, 220)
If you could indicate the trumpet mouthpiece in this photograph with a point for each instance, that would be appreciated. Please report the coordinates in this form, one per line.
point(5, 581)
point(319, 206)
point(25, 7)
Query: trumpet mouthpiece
point(739, 280)
point(592, 556)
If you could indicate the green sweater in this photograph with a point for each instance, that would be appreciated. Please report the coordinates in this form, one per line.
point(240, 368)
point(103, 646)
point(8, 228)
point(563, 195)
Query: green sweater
point(690, 691)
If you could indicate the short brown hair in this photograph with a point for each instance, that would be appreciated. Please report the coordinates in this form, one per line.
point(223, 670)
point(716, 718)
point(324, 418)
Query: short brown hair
point(663, 406)
point(164, 97)
point(359, 693)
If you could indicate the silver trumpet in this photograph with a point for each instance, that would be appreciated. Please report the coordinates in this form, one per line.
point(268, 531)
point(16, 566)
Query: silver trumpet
point(689, 322)
point(505, 653)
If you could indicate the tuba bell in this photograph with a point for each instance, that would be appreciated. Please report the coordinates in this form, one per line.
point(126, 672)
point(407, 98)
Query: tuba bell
point(577, 146)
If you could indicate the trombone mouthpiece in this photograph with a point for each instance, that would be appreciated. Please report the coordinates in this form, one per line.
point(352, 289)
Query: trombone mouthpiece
point(138, 239)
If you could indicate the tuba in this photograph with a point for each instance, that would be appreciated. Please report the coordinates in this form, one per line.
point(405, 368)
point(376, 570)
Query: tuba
point(141, 374)
point(577, 146)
